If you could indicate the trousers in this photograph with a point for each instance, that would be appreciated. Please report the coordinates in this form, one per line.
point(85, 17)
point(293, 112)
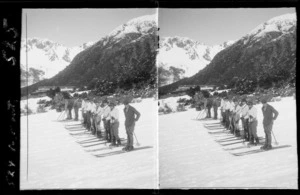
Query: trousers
point(253, 129)
point(268, 132)
point(114, 131)
point(129, 132)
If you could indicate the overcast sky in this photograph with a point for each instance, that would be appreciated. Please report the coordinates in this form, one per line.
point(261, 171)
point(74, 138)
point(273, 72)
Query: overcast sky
point(72, 27)
point(214, 26)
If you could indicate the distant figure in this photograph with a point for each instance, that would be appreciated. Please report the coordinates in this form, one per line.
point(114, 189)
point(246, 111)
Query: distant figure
point(131, 116)
point(245, 119)
point(93, 116)
point(253, 123)
point(99, 113)
point(114, 124)
point(76, 107)
point(270, 114)
point(223, 114)
point(215, 105)
point(106, 120)
point(236, 117)
point(83, 111)
point(69, 107)
point(208, 106)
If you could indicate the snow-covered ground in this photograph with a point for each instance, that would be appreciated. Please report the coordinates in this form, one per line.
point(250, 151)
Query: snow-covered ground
point(172, 102)
point(31, 103)
point(189, 157)
point(59, 160)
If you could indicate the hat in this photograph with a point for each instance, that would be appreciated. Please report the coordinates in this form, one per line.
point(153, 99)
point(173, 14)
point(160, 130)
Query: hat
point(112, 102)
point(127, 100)
point(244, 100)
point(250, 102)
point(264, 100)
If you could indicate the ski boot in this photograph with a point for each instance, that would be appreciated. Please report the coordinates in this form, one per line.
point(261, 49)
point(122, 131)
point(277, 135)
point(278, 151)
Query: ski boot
point(118, 143)
point(263, 147)
point(125, 148)
point(269, 147)
point(130, 148)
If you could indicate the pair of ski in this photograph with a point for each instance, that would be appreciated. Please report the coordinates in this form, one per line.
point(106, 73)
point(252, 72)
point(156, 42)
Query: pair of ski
point(255, 151)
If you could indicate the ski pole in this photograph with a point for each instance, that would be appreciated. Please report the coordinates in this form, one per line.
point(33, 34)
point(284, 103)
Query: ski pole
point(60, 116)
point(137, 142)
point(274, 138)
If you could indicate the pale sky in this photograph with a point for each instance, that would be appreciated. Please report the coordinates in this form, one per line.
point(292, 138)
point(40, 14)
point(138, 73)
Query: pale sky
point(73, 27)
point(215, 26)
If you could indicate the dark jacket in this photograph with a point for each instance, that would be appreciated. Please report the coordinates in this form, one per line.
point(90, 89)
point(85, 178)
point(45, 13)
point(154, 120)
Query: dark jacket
point(130, 116)
point(268, 114)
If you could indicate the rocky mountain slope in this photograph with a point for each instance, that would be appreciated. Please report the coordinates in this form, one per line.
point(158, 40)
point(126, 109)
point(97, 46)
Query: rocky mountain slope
point(125, 58)
point(181, 57)
point(265, 57)
point(45, 58)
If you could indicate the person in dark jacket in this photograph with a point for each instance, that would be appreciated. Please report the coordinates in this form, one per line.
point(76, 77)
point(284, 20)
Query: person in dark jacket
point(208, 106)
point(70, 107)
point(76, 107)
point(215, 104)
point(131, 116)
point(270, 114)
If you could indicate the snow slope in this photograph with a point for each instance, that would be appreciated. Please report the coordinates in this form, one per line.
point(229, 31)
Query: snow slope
point(48, 56)
point(187, 54)
point(191, 158)
point(282, 23)
point(58, 161)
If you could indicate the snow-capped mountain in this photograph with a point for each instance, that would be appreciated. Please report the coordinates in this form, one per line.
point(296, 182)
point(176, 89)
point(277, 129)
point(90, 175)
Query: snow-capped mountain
point(278, 25)
point(47, 56)
point(264, 57)
point(185, 54)
point(126, 57)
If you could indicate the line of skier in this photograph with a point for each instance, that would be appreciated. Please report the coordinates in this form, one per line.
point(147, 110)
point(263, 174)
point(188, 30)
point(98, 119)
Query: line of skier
point(239, 116)
point(95, 110)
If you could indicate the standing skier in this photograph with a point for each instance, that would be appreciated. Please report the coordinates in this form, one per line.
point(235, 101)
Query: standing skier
point(114, 124)
point(76, 106)
point(131, 116)
point(253, 123)
point(216, 104)
point(106, 120)
point(270, 114)
point(245, 119)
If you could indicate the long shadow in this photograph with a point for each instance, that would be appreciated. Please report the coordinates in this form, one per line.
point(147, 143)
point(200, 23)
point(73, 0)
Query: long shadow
point(228, 140)
point(121, 152)
point(217, 123)
point(83, 133)
point(100, 143)
point(106, 148)
point(219, 128)
point(243, 146)
point(76, 130)
point(232, 143)
point(87, 140)
point(218, 132)
point(259, 150)
point(212, 124)
point(74, 125)
point(238, 138)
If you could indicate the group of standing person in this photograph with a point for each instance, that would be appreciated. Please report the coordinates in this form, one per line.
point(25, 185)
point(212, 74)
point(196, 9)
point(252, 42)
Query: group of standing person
point(240, 116)
point(95, 110)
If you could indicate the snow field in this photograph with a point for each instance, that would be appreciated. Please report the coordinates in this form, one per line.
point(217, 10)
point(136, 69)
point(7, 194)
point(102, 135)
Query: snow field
point(58, 161)
point(190, 158)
